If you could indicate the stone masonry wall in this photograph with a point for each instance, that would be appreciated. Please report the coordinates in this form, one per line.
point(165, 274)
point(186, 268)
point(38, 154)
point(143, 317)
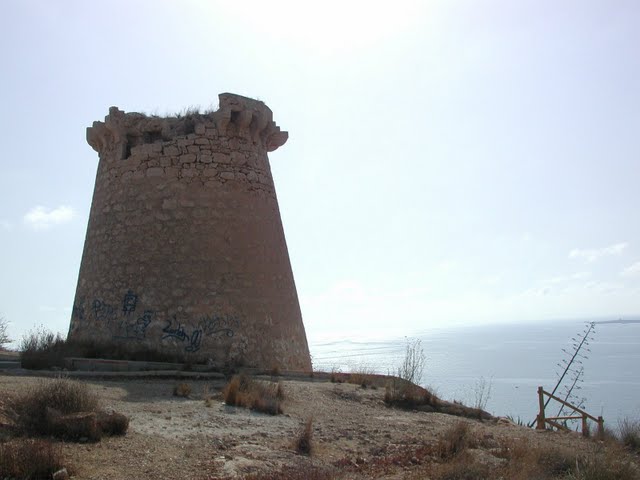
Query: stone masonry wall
point(185, 250)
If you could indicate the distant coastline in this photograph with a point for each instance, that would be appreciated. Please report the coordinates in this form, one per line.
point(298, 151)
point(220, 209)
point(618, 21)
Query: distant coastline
point(617, 321)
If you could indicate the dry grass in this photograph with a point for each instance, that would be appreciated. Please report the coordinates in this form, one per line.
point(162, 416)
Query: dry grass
point(463, 468)
point(630, 434)
point(455, 441)
point(596, 462)
point(207, 397)
point(403, 394)
point(30, 459)
point(304, 439)
point(264, 397)
point(182, 390)
point(299, 472)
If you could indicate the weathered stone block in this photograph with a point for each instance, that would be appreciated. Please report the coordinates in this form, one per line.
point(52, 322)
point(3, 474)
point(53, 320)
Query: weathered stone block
point(155, 171)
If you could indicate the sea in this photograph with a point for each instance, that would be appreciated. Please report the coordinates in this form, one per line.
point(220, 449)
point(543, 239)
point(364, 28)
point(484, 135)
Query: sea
point(502, 366)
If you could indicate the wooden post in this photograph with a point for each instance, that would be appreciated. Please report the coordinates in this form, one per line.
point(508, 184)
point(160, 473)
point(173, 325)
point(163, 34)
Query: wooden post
point(541, 419)
point(585, 426)
point(600, 428)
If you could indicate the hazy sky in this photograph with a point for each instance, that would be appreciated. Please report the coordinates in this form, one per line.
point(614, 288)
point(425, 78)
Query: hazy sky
point(448, 161)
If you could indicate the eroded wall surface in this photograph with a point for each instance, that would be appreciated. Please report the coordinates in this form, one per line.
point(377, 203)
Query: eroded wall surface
point(185, 250)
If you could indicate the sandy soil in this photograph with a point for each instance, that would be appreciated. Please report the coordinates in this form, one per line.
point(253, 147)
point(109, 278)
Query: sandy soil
point(171, 437)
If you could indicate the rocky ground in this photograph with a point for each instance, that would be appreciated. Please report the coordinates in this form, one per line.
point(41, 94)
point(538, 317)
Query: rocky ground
point(353, 432)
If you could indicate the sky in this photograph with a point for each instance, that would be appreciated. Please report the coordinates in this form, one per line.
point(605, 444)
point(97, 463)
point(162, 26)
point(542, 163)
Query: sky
point(448, 163)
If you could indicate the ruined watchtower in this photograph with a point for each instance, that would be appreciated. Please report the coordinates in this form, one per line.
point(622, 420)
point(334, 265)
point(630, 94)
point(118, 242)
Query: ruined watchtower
point(185, 251)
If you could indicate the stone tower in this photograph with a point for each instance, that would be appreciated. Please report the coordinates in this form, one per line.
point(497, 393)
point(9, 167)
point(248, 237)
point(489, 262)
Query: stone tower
point(185, 252)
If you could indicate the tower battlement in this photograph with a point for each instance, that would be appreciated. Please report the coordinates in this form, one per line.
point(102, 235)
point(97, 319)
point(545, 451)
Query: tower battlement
point(237, 116)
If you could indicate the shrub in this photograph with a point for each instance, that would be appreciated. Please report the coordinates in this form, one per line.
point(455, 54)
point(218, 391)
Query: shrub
point(231, 391)
point(74, 426)
point(67, 409)
point(62, 395)
point(482, 392)
point(41, 349)
point(455, 441)
point(362, 375)
point(298, 472)
point(28, 458)
point(609, 464)
point(265, 397)
point(630, 434)
point(399, 392)
point(4, 337)
point(182, 390)
point(527, 460)
point(207, 397)
point(304, 438)
point(412, 367)
point(112, 423)
point(464, 469)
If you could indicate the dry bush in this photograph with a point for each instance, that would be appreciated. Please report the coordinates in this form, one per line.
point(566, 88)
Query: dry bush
point(298, 472)
point(603, 464)
point(455, 441)
point(630, 434)
point(413, 363)
point(336, 376)
point(463, 468)
point(265, 397)
point(112, 423)
point(74, 426)
point(42, 349)
point(401, 393)
point(67, 409)
point(29, 459)
point(364, 376)
point(526, 460)
point(60, 394)
point(304, 439)
point(182, 390)
point(4, 336)
point(207, 397)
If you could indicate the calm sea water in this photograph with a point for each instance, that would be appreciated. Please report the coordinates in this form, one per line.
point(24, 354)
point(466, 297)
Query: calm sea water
point(514, 360)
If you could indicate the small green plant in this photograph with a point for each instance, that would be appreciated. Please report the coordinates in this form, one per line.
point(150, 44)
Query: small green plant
point(182, 390)
point(516, 420)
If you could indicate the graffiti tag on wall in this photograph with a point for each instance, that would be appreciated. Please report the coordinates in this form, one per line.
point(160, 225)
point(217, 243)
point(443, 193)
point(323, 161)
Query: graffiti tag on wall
point(124, 324)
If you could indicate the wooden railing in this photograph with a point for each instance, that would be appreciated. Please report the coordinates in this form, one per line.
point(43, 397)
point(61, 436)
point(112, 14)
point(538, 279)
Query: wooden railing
point(542, 421)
